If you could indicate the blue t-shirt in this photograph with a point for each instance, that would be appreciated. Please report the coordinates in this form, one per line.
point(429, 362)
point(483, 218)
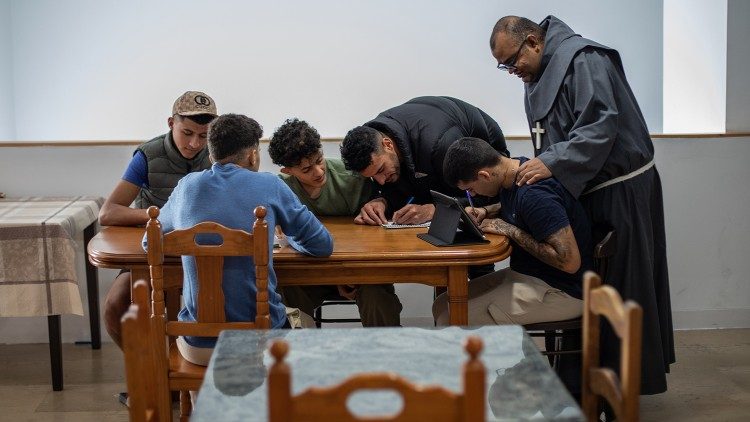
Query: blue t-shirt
point(137, 171)
point(541, 210)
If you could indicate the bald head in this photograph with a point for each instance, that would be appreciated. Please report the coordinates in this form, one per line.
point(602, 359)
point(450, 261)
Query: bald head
point(517, 28)
point(518, 45)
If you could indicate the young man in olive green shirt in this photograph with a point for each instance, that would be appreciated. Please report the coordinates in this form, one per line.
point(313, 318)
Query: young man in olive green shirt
point(328, 189)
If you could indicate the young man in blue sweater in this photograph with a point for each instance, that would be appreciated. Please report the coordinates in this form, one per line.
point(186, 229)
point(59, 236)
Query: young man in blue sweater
point(227, 193)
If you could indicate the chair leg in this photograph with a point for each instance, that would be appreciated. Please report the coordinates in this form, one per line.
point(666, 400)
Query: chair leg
point(558, 348)
point(550, 346)
point(186, 406)
point(318, 316)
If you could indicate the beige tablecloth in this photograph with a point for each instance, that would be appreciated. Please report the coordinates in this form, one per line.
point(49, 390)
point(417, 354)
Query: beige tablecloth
point(37, 253)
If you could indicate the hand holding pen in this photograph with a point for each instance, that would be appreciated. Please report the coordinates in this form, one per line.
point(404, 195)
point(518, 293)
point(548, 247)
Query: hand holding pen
point(413, 213)
point(478, 214)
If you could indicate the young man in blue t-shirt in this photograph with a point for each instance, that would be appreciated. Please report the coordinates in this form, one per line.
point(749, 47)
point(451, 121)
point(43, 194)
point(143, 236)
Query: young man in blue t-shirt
point(153, 171)
point(547, 227)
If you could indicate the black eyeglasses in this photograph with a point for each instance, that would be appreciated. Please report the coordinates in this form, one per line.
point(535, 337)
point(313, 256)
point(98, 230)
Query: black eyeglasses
point(511, 63)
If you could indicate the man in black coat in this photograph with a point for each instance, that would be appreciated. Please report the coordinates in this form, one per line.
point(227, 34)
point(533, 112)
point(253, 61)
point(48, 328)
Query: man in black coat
point(403, 148)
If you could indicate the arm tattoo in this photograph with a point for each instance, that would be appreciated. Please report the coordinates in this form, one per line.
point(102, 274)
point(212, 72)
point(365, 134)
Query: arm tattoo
point(556, 251)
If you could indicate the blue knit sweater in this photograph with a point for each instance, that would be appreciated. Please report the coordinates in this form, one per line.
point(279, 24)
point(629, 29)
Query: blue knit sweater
point(228, 194)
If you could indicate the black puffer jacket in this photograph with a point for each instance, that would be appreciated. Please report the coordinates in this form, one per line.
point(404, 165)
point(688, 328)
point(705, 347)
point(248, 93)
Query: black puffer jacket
point(423, 129)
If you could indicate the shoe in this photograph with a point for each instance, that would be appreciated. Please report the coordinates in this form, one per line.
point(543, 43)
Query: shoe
point(123, 398)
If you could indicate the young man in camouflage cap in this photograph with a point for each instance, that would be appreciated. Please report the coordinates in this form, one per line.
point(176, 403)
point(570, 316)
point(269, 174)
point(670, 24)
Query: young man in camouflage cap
point(153, 172)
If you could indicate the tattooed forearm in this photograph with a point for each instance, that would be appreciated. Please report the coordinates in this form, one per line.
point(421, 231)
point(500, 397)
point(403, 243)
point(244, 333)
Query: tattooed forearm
point(560, 250)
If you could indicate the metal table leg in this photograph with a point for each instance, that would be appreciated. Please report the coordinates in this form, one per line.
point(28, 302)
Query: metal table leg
point(55, 351)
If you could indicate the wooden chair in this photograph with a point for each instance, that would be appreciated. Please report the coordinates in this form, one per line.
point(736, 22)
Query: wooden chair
point(625, 318)
point(555, 331)
point(421, 403)
point(145, 367)
point(183, 375)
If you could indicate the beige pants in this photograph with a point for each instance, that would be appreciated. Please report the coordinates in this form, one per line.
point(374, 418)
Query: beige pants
point(201, 355)
point(509, 297)
point(192, 354)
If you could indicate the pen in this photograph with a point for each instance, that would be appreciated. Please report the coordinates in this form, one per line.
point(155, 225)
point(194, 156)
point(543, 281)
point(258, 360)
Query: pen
point(409, 201)
point(468, 196)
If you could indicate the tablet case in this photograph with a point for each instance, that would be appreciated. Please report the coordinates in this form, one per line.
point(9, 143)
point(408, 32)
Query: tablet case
point(450, 225)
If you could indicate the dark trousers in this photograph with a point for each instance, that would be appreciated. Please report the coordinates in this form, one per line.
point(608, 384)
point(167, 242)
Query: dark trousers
point(378, 304)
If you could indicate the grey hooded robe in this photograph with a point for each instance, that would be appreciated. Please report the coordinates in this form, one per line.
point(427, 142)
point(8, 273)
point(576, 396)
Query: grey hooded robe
point(593, 132)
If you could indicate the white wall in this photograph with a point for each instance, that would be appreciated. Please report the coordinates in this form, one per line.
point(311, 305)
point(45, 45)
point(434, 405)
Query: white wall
point(695, 57)
point(738, 58)
point(706, 208)
point(110, 70)
point(7, 123)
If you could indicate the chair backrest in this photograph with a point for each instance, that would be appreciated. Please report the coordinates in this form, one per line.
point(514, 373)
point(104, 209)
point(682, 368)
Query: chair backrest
point(209, 259)
point(421, 403)
point(625, 318)
point(145, 362)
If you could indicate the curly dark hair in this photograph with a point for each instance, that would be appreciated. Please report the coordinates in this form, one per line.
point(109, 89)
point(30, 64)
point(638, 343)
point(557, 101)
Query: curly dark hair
point(294, 141)
point(358, 146)
point(230, 134)
point(465, 158)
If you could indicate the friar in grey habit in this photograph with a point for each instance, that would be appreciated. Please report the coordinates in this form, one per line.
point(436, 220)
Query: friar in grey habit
point(589, 133)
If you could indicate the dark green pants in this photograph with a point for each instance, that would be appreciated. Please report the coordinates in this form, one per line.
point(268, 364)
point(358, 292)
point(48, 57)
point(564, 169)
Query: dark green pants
point(378, 304)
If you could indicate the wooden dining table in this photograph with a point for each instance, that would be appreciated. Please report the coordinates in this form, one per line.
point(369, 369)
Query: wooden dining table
point(361, 255)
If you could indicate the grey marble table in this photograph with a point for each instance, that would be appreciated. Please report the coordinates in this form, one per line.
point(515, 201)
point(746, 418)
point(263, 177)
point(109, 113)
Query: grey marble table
point(521, 385)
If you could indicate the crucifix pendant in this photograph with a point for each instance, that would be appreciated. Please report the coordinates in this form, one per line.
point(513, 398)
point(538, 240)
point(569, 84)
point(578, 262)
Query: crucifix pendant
point(538, 130)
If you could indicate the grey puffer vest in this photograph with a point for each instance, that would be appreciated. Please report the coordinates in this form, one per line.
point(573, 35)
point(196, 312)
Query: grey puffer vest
point(166, 166)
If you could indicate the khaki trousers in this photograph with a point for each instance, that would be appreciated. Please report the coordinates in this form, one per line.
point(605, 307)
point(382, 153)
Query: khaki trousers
point(509, 297)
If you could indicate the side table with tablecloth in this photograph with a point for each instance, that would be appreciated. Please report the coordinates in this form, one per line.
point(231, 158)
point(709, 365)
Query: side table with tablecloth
point(37, 264)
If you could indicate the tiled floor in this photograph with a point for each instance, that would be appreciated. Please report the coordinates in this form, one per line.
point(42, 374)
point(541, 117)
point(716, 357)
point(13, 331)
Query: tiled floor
point(711, 381)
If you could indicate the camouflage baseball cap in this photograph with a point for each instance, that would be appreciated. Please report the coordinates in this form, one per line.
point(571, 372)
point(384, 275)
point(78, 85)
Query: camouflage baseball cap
point(193, 103)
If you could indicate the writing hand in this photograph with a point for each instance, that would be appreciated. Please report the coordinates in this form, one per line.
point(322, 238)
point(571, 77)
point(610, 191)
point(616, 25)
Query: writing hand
point(372, 213)
point(348, 291)
point(414, 214)
point(476, 214)
point(532, 171)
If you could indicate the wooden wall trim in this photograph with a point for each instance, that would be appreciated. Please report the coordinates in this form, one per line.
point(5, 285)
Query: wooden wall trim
point(30, 144)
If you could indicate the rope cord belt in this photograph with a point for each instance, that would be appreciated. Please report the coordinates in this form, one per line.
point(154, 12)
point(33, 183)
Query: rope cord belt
point(622, 178)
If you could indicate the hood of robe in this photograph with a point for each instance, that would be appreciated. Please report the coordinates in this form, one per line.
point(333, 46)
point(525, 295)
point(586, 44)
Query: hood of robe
point(561, 45)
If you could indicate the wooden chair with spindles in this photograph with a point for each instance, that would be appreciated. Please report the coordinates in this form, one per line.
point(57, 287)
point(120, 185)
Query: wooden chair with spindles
point(421, 402)
point(145, 366)
point(184, 376)
point(626, 319)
